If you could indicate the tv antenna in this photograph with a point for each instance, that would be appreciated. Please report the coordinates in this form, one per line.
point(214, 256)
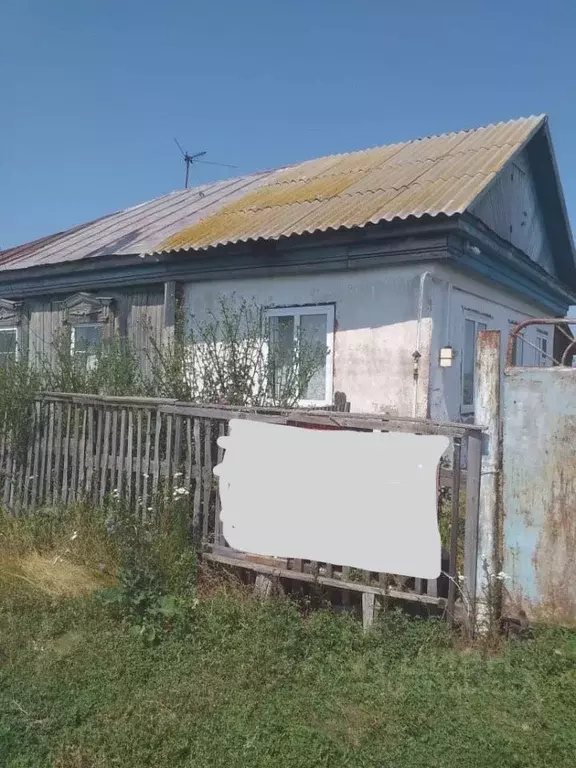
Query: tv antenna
point(195, 158)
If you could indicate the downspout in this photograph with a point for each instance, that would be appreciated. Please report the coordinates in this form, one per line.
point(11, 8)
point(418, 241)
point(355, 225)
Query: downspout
point(416, 355)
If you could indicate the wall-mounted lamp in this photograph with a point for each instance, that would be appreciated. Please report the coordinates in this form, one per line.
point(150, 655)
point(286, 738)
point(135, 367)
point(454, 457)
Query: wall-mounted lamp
point(447, 355)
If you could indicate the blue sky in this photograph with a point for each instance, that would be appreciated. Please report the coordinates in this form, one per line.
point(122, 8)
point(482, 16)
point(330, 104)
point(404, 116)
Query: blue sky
point(92, 92)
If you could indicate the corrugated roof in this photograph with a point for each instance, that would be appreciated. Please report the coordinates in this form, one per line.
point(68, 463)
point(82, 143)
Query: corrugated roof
point(132, 230)
point(431, 176)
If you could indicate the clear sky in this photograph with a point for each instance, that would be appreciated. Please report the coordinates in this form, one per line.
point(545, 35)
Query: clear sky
point(93, 91)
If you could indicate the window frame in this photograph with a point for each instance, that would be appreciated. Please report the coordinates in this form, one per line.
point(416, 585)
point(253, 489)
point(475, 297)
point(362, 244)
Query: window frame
point(16, 331)
point(478, 318)
point(73, 328)
point(515, 345)
point(296, 311)
point(543, 355)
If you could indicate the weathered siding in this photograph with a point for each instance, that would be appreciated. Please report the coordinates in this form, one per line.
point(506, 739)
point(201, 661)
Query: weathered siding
point(46, 316)
point(454, 297)
point(376, 328)
point(511, 209)
point(137, 313)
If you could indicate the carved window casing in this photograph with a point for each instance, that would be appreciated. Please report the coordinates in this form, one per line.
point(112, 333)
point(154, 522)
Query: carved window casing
point(90, 320)
point(12, 329)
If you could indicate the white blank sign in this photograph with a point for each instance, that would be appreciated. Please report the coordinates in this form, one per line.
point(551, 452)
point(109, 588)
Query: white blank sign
point(364, 500)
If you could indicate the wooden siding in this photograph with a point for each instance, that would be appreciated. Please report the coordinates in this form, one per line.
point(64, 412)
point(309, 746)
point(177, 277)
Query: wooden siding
point(46, 319)
point(511, 209)
point(139, 314)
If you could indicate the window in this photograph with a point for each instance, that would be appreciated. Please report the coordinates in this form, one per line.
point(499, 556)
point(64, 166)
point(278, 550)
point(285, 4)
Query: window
point(517, 346)
point(542, 351)
point(301, 342)
point(8, 344)
point(471, 328)
point(85, 339)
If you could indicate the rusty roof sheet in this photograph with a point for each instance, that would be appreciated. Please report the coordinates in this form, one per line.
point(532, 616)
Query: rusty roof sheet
point(430, 176)
point(132, 230)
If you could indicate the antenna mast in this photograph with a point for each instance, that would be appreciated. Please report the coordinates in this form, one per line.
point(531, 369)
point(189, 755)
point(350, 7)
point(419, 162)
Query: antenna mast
point(190, 159)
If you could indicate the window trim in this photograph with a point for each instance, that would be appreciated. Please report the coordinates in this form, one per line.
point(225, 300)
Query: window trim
point(16, 330)
point(313, 309)
point(477, 318)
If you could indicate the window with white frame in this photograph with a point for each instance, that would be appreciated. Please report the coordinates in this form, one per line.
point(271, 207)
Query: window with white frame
point(517, 346)
point(301, 344)
point(85, 339)
point(471, 327)
point(8, 344)
point(542, 354)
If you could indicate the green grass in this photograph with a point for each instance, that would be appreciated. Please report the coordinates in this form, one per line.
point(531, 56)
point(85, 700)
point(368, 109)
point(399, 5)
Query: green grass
point(237, 682)
point(259, 685)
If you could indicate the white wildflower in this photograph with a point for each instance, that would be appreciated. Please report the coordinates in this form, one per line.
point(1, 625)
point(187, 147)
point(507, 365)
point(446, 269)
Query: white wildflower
point(502, 576)
point(74, 536)
point(149, 509)
point(146, 476)
point(178, 474)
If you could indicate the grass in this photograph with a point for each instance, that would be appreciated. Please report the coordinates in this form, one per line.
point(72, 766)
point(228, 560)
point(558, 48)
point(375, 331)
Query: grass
point(253, 684)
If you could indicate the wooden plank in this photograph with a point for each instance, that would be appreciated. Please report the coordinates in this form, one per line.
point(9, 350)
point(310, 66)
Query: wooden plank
point(157, 461)
point(98, 454)
point(275, 415)
point(368, 609)
point(29, 461)
point(207, 479)
point(66, 455)
point(58, 440)
point(114, 454)
point(89, 455)
point(329, 570)
point(75, 449)
point(50, 452)
point(105, 455)
point(176, 468)
point(218, 533)
point(197, 473)
point(346, 578)
point(138, 473)
point(80, 489)
point(122, 453)
point(474, 458)
point(129, 453)
point(454, 525)
point(282, 573)
point(168, 463)
point(43, 456)
point(146, 468)
point(36, 470)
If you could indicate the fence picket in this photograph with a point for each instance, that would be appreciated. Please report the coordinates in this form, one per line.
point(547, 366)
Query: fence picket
point(104, 460)
point(56, 484)
point(197, 475)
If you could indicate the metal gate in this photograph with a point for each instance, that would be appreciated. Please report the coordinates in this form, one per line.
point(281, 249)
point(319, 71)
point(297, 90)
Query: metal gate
point(539, 475)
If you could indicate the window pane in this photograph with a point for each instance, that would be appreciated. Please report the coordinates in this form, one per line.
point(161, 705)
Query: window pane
point(313, 333)
point(282, 348)
point(86, 339)
point(7, 344)
point(468, 362)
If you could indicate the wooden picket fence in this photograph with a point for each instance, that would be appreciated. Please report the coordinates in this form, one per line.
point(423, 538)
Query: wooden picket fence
point(86, 447)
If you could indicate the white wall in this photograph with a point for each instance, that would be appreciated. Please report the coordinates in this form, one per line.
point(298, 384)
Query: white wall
point(452, 294)
point(376, 328)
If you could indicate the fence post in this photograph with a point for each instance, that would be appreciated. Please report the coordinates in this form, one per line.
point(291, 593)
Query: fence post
point(487, 415)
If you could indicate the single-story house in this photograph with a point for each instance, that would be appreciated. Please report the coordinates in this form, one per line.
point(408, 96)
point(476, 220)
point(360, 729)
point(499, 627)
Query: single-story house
point(396, 255)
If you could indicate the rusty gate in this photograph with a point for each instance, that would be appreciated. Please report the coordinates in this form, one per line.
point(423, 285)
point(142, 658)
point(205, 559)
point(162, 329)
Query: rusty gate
point(539, 472)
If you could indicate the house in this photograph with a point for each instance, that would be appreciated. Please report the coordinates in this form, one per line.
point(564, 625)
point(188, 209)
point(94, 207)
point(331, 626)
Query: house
point(396, 256)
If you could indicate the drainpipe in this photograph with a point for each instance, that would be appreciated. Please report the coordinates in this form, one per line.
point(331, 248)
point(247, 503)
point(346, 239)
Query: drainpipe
point(416, 355)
